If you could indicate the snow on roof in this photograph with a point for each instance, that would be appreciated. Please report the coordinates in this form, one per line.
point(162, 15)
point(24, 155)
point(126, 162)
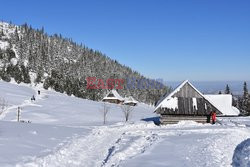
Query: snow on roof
point(130, 99)
point(224, 104)
point(115, 96)
point(167, 97)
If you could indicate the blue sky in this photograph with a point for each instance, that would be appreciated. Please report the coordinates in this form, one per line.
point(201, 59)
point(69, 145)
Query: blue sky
point(202, 40)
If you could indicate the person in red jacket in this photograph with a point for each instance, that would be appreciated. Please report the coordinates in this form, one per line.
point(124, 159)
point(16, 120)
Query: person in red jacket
point(213, 117)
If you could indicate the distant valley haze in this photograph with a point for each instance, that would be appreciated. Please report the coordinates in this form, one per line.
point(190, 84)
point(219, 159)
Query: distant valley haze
point(213, 87)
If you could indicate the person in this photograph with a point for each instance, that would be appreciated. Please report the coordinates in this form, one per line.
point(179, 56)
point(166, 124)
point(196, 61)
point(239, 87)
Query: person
point(38, 92)
point(33, 98)
point(209, 117)
point(213, 117)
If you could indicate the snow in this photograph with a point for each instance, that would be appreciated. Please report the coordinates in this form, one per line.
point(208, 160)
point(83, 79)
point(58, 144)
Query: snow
point(193, 146)
point(224, 104)
point(21, 141)
point(161, 103)
point(130, 99)
point(25, 62)
point(8, 29)
point(116, 96)
point(172, 103)
point(56, 108)
point(4, 45)
point(13, 61)
point(195, 103)
point(242, 154)
point(68, 131)
point(33, 76)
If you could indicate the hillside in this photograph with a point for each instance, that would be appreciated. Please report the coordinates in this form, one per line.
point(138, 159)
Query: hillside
point(59, 109)
point(30, 55)
point(55, 119)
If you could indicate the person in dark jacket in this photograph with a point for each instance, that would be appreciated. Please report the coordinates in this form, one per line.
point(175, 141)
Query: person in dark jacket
point(209, 117)
point(33, 98)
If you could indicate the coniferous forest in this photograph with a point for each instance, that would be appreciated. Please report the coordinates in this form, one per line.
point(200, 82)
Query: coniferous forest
point(63, 65)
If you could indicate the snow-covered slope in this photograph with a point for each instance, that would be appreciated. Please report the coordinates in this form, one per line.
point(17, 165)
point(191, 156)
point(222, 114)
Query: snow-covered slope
point(68, 131)
point(56, 119)
point(55, 108)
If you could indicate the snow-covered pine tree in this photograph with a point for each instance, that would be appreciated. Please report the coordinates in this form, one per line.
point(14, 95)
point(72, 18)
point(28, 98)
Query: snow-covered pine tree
point(227, 90)
point(245, 90)
point(246, 99)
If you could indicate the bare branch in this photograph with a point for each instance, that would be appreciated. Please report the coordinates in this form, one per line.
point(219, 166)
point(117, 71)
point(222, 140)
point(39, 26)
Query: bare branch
point(105, 109)
point(127, 111)
point(3, 105)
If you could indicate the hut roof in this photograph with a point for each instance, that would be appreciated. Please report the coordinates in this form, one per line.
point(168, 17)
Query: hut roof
point(113, 95)
point(223, 103)
point(130, 99)
point(169, 101)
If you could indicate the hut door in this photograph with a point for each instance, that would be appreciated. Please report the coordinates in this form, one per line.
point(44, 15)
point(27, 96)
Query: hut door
point(185, 106)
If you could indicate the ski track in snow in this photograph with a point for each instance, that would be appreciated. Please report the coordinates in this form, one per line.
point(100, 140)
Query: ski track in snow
point(104, 146)
point(113, 145)
point(217, 151)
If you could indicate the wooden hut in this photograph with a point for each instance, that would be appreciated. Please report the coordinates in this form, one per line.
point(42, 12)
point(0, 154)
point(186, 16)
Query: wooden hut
point(187, 103)
point(130, 101)
point(113, 97)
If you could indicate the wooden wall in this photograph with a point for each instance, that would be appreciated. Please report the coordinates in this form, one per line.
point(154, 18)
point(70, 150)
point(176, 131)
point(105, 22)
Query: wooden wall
point(187, 91)
point(185, 103)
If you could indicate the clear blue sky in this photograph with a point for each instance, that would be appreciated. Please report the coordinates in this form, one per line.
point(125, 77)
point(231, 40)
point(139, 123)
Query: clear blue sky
point(169, 39)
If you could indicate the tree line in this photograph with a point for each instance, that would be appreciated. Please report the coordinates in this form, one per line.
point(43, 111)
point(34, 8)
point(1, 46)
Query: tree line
point(241, 102)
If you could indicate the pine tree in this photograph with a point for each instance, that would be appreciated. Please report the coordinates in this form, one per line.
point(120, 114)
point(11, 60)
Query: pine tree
point(25, 73)
point(227, 91)
point(1, 33)
point(245, 90)
point(16, 34)
point(245, 100)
